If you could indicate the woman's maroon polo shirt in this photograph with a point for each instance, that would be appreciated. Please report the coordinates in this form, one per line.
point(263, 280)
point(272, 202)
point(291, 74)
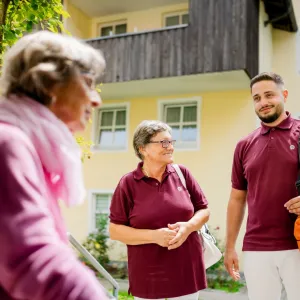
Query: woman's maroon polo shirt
point(145, 203)
point(266, 165)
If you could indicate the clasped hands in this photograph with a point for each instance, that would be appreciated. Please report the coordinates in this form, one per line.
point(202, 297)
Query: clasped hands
point(173, 236)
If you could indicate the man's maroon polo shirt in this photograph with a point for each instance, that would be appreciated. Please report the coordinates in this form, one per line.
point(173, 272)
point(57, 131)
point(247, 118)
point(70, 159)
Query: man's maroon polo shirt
point(145, 203)
point(266, 164)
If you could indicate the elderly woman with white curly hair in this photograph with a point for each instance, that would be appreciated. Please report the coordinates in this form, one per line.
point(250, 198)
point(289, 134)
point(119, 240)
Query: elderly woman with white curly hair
point(48, 87)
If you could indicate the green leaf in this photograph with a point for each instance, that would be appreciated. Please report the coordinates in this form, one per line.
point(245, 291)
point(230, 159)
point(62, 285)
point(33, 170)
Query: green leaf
point(32, 17)
point(21, 15)
point(29, 26)
point(9, 35)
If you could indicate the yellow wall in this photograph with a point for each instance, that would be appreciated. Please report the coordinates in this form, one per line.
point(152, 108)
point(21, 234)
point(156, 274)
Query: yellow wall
point(79, 24)
point(265, 41)
point(139, 20)
point(286, 61)
point(225, 118)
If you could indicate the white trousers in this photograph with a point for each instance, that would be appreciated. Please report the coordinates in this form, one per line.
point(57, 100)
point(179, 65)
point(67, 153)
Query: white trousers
point(194, 296)
point(267, 272)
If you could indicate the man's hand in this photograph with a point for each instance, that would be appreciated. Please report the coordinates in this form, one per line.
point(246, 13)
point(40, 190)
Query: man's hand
point(293, 206)
point(183, 231)
point(231, 262)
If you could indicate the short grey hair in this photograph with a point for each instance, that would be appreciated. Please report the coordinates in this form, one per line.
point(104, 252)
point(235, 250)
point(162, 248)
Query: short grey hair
point(145, 131)
point(38, 61)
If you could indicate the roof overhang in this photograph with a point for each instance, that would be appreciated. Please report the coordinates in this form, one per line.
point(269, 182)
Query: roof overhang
point(281, 14)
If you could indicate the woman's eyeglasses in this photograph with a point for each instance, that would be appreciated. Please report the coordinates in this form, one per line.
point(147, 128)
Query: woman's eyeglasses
point(164, 143)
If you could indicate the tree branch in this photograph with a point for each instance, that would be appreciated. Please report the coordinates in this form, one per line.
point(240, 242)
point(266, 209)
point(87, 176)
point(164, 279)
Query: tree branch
point(3, 11)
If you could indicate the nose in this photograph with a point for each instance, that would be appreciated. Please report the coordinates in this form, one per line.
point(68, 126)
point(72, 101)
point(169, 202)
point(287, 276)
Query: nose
point(171, 146)
point(264, 101)
point(95, 98)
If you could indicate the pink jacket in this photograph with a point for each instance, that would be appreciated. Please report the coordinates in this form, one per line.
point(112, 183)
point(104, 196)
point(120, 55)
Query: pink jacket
point(35, 261)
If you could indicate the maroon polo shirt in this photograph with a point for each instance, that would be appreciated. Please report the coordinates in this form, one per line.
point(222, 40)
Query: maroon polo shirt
point(145, 203)
point(266, 164)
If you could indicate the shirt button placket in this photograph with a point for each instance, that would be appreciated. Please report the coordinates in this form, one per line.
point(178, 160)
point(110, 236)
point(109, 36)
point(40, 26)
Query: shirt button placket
point(271, 139)
point(158, 186)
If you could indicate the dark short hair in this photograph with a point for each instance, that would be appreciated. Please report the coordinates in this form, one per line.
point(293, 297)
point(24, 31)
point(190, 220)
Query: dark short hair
point(269, 76)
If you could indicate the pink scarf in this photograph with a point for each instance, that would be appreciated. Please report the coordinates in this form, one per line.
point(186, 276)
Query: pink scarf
point(54, 143)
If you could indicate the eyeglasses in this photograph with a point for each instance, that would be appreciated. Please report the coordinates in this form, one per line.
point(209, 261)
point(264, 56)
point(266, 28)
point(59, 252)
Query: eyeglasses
point(164, 143)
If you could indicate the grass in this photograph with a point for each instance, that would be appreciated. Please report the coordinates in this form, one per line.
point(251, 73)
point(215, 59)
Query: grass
point(124, 295)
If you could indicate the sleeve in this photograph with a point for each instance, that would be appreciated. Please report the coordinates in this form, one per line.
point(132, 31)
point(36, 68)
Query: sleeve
point(120, 205)
point(197, 196)
point(34, 263)
point(238, 180)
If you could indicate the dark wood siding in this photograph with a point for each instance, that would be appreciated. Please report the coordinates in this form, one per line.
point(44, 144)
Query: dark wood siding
point(252, 38)
point(216, 40)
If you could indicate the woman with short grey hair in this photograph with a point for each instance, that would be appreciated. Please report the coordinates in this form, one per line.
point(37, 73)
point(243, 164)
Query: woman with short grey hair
point(144, 133)
point(157, 217)
point(48, 86)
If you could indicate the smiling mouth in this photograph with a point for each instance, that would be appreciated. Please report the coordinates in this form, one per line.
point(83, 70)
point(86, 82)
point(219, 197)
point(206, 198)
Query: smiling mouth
point(265, 109)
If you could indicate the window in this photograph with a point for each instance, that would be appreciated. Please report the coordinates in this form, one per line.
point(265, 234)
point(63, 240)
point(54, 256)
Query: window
point(176, 19)
point(100, 202)
point(298, 51)
point(113, 28)
point(296, 115)
point(111, 131)
point(183, 117)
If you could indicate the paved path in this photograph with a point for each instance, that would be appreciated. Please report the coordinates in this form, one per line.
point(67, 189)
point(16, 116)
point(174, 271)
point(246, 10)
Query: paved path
point(219, 295)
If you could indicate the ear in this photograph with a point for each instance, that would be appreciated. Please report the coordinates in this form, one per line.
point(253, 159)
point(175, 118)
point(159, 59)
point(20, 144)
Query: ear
point(142, 150)
point(285, 95)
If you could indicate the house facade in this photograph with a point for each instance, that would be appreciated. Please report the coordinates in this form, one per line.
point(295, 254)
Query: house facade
point(187, 63)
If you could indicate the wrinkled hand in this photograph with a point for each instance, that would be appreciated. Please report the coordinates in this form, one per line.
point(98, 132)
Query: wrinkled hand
point(183, 232)
point(293, 206)
point(231, 262)
point(163, 236)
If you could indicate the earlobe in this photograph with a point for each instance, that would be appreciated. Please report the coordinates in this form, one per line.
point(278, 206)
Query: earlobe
point(141, 151)
point(53, 99)
point(285, 95)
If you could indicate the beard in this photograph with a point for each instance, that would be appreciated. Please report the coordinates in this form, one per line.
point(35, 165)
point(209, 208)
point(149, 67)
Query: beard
point(271, 117)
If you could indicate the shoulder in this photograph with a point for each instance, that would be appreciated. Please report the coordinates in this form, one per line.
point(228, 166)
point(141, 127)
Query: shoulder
point(127, 181)
point(185, 171)
point(248, 139)
point(183, 168)
point(296, 123)
point(18, 157)
point(14, 140)
point(127, 177)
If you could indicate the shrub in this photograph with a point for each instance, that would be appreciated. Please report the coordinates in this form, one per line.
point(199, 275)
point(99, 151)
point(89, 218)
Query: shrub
point(217, 276)
point(96, 244)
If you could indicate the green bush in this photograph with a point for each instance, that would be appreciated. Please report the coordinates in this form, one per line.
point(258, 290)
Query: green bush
point(124, 296)
point(96, 243)
point(217, 276)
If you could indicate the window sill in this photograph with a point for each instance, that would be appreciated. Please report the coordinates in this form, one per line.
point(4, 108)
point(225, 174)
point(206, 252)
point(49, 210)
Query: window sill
point(108, 149)
point(180, 147)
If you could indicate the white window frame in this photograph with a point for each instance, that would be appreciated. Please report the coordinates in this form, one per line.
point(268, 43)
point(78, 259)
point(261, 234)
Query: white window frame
point(296, 115)
point(113, 24)
point(92, 207)
point(258, 122)
point(298, 52)
point(96, 127)
point(185, 146)
point(175, 14)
